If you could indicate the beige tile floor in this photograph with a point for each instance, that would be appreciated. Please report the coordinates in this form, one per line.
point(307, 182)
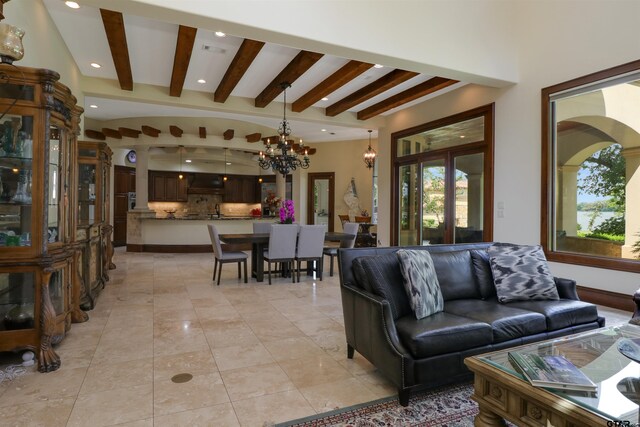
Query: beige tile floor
point(258, 354)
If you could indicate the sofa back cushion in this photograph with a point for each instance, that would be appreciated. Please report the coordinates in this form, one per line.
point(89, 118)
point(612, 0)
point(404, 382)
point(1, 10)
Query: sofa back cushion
point(382, 277)
point(484, 277)
point(455, 274)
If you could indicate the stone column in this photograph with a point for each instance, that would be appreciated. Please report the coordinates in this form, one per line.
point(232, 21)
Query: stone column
point(567, 211)
point(142, 178)
point(632, 202)
point(281, 186)
point(475, 200)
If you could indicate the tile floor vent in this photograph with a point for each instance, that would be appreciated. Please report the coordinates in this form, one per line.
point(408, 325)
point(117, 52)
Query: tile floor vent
point(181, 378)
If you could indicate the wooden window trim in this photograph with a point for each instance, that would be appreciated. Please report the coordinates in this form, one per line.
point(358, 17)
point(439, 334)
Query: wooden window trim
point(546, 204)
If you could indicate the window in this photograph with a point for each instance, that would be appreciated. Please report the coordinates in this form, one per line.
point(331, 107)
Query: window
point(442, 180)
point(591, 169)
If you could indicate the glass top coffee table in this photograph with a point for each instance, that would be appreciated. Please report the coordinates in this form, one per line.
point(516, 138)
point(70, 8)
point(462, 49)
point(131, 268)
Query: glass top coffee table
point(502, 393)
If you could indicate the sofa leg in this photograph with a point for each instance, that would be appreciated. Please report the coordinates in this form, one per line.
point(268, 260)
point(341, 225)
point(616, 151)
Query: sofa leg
point(350, 351)
point(403, 397)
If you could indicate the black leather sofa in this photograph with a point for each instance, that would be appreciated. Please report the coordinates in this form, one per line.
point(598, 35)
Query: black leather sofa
point(429, 352)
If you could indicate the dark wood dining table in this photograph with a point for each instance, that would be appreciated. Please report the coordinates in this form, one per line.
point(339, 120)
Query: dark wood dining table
point(260, 241)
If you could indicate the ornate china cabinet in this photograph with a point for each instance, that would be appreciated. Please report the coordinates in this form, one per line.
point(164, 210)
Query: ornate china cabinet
point(39, 123)
point(93, 231)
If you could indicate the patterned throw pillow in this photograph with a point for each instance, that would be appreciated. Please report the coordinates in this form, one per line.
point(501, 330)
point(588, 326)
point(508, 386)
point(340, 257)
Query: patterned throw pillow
point(521, 273)
point(420, 282)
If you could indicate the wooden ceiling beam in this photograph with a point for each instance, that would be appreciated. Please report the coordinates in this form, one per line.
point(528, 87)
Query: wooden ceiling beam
point(253, 137)
point(247, 52)
point(383, 84)
point(175, 131)
point(111, 133)
point(202, 131)
point(128, 132)
point(344, 75)
point(149, 131)
point(311, 151)
point(94, 134)
point(272, 139)
point(432, 85)
point(181, 58)
point(114, 28)
point(228, 134)
point(297, 67)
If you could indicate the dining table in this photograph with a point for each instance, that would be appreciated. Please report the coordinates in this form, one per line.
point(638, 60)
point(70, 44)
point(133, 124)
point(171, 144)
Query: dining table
point(260, 241)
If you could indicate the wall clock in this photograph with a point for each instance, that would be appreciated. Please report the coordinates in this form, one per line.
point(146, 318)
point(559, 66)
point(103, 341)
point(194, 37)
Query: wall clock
point(131, 156)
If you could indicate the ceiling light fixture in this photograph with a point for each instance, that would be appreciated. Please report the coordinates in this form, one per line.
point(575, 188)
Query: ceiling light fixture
point(369, 156)
point(220, 34)
point(202, 81)
point(180, 151)
point(324, 99)
point(284, 157)
point(72, 4)
point(93, 106)
point(96, 65)
point(224, 178)
point(378, 66)
point(188, 161)
point(323, 130)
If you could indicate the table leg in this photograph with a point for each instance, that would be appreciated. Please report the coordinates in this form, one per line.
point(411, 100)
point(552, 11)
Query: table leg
point(486, 418)
point(257, 261)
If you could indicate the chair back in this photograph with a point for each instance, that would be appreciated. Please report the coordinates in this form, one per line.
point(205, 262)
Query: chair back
point(343, 219)
point(350, 228)
point(282, 241)
point(262, 227)
point(311, 241)
point(215, 240)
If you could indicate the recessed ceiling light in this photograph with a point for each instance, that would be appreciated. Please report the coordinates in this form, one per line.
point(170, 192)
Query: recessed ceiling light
point(461, 136)
point(325, 99)
point(93, 106)
point(323, 130)
point(378, 66)
point(220, 34)
point(188, 161)
point(228, 163)
point(96, 65)
point(202, 81)
point(72, 4)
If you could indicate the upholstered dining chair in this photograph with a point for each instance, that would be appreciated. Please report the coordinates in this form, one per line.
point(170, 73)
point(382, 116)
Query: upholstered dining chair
point(224, 257)
point(282, 246)
point(262, 227)
point(349, 228)
point(343, 220)
point(310, 246)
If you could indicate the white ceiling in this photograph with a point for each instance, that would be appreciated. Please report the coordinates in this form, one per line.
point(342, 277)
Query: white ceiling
point(151, 46)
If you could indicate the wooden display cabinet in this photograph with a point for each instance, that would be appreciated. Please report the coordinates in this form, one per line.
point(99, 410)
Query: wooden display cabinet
point(93, 231)
point(39, 122)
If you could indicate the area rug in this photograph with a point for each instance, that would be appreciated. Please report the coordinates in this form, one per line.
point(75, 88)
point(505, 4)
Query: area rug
point(448, 406)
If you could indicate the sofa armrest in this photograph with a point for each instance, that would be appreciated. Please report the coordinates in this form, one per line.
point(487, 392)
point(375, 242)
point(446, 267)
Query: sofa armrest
point(566, 288)
point(371, 330)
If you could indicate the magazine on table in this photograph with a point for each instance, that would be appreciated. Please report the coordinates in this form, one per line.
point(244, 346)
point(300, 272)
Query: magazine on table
point(551, 371)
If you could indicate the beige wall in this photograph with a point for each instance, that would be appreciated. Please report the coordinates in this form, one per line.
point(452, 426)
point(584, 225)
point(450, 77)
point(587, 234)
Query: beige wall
point(345, 159)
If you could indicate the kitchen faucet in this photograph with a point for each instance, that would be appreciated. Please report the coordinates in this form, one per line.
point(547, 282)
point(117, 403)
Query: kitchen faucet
point(217, 208)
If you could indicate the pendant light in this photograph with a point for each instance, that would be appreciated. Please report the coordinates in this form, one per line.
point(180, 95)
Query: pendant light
point(225, 165)
point(180, 147)
point(369, 156)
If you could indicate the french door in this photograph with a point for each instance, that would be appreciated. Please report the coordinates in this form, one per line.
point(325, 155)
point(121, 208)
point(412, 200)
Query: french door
point(443, 187)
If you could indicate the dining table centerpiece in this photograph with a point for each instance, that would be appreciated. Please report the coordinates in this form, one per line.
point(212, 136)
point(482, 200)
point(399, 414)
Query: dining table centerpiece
point(287, 212)
point(273, 202)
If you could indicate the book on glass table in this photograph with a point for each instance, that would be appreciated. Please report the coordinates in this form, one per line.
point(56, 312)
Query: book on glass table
point(551, 371)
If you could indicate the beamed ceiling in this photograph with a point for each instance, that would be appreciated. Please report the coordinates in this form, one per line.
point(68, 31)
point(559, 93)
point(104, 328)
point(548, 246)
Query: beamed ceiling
point(242, 78)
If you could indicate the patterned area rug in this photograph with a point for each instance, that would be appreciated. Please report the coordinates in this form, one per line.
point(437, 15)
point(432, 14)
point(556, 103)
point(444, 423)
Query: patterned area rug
point(450, 406)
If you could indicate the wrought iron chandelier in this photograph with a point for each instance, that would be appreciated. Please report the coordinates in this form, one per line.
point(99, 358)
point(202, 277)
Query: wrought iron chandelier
point(369, 156)
point(284, 157)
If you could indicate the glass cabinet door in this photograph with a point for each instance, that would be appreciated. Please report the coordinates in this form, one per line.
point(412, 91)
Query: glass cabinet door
point(16, 172)
point(17, 299)
point(54, 193)
point(86, 193)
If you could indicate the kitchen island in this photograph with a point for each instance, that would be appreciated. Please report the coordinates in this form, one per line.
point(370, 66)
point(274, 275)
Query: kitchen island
point(190, 234)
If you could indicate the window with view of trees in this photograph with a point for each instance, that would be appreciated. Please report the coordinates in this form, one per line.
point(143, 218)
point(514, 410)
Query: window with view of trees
point(591, 169)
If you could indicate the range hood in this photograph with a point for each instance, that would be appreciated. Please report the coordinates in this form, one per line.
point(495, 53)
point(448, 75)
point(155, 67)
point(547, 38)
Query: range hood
point(205, 183)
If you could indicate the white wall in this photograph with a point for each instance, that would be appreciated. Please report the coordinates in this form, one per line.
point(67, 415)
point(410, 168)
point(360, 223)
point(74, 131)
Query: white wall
point(556, 43)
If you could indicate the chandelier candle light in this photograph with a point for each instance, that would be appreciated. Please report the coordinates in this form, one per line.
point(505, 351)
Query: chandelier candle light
point(283, 158)
point(369, 156)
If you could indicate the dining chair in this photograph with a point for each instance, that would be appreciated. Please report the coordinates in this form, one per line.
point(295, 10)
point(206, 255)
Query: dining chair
point(262, 227)
point(332, 252)
point(343, 219)
point(310, 246)
point(282, 246)
point(224, 257)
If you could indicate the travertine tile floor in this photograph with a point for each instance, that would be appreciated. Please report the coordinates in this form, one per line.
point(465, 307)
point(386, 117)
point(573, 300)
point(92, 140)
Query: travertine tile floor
point(258, 354)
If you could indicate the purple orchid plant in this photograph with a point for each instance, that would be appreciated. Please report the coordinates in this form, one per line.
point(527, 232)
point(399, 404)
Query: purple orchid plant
point(287, 212)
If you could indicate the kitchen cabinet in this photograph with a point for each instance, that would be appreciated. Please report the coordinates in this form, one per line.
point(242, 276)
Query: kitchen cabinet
point(38, 287)
point(241, 189)
point(167, 187)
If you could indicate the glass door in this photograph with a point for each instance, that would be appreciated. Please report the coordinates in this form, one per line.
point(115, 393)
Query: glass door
point(410, 197)
point(434, 198)
point(321, 199)
point(469, 198)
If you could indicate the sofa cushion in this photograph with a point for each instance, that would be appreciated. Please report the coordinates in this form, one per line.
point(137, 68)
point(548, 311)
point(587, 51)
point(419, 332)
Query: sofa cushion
point(521, 273)
point(360, 275)
point(561, 313)
point(441, 333)
point(420, 282)
point(455, 275)
point(385, 279)
point(484, 277)
point(506, 322)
